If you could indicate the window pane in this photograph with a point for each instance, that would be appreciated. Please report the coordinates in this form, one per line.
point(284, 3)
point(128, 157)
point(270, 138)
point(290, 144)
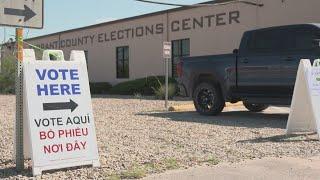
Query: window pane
point(120, 68)
point(122, 62)
point(265, 41)
point(301, 38)
point(119, 53)
point(185, 47)
point(87, 57)
point(176, 48)
point(175, 61)
point(126, 53)
point(304, 39)
point(126, 69)
point(288, 40)
point(86, 54)
point(317, 35)
point(180, 48)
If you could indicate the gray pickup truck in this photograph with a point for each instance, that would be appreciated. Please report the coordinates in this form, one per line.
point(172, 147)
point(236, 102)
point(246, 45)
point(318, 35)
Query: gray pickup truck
point(262, 72)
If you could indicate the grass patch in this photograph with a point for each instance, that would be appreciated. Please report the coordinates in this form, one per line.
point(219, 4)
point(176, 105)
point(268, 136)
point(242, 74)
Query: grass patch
point(140, 171)
point(211, 160)
point(171, 164)
point(136, 172)
point(114, 177)
point(153, 167)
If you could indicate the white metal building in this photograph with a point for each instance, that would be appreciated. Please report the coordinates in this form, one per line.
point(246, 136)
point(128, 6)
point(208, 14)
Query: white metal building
point(131, 48)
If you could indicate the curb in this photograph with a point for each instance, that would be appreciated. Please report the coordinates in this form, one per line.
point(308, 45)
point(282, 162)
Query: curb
point(190, 107)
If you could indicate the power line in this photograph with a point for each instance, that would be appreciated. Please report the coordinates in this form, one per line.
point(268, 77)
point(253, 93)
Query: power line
point(202, 4)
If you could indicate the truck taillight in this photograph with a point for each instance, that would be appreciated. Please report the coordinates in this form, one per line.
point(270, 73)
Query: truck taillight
point(179, 69)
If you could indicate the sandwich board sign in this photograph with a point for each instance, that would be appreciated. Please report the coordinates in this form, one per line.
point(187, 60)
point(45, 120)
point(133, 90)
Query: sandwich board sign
point(58, 112)
point(22, 13)
point(304, 114)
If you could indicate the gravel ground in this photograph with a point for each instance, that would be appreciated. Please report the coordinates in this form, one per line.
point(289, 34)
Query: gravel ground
point(136, 137)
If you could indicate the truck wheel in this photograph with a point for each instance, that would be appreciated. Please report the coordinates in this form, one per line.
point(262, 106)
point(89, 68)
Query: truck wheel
point(255, 107)
point(208, 99)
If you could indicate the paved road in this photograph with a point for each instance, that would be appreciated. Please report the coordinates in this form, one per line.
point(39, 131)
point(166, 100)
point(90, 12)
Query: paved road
point(262, 169)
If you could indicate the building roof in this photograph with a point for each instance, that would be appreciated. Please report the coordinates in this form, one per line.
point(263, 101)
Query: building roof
point(131, 18)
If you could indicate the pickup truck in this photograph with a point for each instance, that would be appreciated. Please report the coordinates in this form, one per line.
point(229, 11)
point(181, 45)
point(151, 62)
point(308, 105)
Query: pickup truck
point(262, 72)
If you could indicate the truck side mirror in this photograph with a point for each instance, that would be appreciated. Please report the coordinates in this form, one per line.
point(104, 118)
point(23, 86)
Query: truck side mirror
point(235, 51)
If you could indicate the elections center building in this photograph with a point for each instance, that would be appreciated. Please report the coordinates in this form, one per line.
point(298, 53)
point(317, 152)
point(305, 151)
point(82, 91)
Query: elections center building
point(132, 48)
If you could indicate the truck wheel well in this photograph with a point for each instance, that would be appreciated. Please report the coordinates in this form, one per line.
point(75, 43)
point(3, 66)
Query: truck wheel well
point(205, 78)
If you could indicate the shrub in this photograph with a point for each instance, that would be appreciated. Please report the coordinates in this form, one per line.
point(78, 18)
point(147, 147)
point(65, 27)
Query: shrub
point(128, 88)
point(160, 90)
point(100, 87)
point(160, 93)
point(143, 86)
point(7, 75)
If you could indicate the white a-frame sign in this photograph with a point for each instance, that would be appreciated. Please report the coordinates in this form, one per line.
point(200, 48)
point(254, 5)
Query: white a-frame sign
point(304, 115)
point(58, 112)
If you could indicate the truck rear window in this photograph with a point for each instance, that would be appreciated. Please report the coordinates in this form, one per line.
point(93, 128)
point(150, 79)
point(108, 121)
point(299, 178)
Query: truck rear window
point(300, 39)
point(283, 39)
point(264, 41)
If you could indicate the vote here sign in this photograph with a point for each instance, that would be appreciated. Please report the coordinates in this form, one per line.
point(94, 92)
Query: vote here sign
point(59, 113)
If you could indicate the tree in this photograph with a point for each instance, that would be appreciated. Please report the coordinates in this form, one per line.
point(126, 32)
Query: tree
point(7, 75)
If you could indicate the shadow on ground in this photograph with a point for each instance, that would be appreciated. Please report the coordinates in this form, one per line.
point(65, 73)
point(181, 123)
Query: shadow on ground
point(10, 172)
point(235, 118)
point(284, 138)
point(110, 96)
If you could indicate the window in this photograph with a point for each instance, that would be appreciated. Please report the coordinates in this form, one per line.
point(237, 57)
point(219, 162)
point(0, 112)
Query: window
point(123, 62)
point(300, 39)
point(180, 48)
point(87, 56)
point(279, 40)
point(265, 41)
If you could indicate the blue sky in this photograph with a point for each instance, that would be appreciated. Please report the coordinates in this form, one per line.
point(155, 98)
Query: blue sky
point(68, 14)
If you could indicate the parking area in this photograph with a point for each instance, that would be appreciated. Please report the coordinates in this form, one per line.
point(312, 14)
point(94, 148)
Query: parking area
point(136, 137)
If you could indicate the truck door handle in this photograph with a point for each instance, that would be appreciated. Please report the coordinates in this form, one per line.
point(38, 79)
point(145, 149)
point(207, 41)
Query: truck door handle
point(288, 59)
point(245, 61)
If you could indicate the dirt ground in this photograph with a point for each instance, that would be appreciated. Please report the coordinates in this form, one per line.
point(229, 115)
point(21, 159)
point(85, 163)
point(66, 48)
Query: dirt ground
point(136, 138)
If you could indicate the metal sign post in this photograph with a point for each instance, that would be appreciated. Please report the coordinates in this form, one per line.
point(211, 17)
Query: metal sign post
point(167, 57)
point(19, 101)
point(20, 13)
point(167, 83)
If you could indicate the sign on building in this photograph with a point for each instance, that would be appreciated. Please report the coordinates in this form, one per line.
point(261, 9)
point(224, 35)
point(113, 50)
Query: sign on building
point(167, 50)
point(22, 13)
point(58, 110)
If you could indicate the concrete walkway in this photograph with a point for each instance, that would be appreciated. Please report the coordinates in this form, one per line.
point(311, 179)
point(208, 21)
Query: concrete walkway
point(263, 169)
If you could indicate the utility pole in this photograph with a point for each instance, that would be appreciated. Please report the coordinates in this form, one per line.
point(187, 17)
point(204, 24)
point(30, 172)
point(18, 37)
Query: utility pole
point(19, 101)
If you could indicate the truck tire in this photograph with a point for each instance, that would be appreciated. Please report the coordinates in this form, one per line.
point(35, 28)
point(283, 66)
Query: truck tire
point(208, 99)
point(255, 107)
